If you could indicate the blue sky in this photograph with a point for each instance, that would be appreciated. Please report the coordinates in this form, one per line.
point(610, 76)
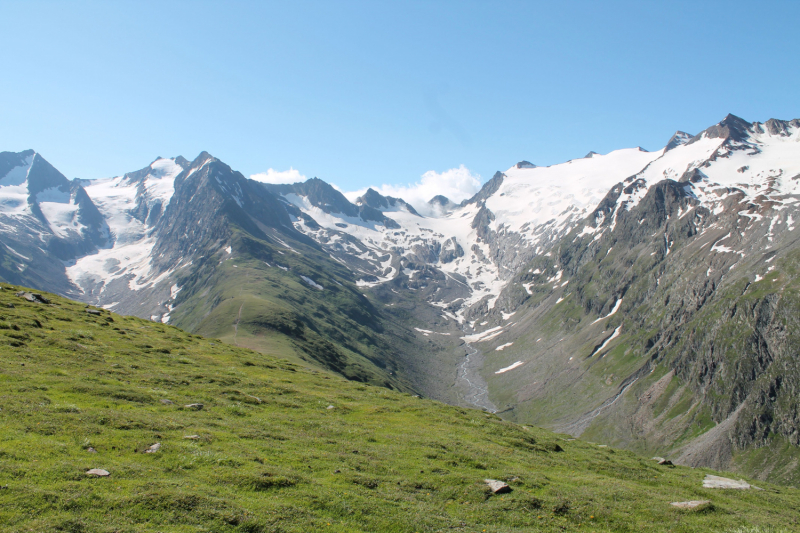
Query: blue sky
point(371, 93)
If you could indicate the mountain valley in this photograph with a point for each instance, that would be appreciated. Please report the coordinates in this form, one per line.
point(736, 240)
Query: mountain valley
point(646, 300)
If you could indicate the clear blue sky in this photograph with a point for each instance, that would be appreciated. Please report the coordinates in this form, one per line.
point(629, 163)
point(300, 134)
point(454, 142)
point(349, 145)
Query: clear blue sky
point(362, 93)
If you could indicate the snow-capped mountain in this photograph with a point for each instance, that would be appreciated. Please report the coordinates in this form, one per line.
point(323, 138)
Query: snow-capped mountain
point(44, 217)
point(576, 287)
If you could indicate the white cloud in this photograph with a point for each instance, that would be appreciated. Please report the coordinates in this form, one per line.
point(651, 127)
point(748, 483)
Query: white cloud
point(278, 176)
point(457, 184)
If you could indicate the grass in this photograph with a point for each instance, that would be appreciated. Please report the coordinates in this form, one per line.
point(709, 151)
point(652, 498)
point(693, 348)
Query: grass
point(270, 454)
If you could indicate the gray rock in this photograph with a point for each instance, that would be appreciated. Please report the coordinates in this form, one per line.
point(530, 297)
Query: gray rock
point(167, 402)
point(717, 482)
point(330, 407)
point(497, 487)
point(194, 406)
point(91, 450)
point(692, 504)
point(33, 297)
point(154, 448)
point(98, 472)
point(93, 311)
point(192, 437)
point(662, 461)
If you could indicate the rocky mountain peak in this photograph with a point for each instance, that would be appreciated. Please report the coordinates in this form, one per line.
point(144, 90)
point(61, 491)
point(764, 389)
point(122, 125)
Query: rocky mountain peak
point(11, 160)
point(525, 164)
point(376, 200)
point(373, 199)
point(731, 127)
point(42, 175)
point(678, 139)
point(781, 127)
point(488, 189)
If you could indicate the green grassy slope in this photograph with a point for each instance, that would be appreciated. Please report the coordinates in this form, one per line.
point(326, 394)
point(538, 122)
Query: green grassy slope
point(260, 298)
point(81, 391)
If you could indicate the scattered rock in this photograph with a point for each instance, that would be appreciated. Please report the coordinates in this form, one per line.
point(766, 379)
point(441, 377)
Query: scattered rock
point(330, 407)
point(33, 297)
point(602, 445)
point(662, 461)
point(192, 437)
point(167, 402)
point(717, 482)
point(91, 450)
point(11, 306)
point(93, 311)
point(692, 504)
point(194, 406)
point(99, 472)
point(497, 487)
point(337, 471)
point(154, 448)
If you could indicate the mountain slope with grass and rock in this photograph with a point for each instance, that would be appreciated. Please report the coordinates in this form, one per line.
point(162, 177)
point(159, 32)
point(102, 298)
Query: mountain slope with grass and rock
point(645, 299)
point(117, 423)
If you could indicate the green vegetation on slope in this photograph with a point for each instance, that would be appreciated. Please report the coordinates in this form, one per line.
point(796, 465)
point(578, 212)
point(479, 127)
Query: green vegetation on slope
point(277, 447)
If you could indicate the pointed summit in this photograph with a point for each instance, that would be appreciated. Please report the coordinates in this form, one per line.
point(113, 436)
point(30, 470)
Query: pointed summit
point(376, 200)
point(679, 139)
point(730, 127)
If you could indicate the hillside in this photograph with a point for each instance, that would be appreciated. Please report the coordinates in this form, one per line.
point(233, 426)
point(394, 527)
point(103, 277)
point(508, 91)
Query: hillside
point(280, 447)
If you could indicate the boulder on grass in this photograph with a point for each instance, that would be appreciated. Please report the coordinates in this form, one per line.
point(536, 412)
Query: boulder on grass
point(692, 504)
point(717, 482)
point(497, 487)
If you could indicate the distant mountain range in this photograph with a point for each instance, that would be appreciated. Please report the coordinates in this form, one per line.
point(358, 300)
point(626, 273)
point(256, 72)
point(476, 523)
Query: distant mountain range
point(645, 299)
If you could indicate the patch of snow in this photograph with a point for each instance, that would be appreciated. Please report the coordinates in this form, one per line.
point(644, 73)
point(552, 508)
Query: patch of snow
point(613, 310)
point(608, 340)
point(510, 367)
point(484, 335)
point(312, 283)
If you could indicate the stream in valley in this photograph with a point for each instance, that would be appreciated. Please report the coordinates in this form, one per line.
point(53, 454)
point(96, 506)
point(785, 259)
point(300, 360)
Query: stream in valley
point(468, 376)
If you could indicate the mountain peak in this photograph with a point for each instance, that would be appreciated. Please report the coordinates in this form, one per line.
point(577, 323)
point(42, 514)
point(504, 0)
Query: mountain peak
point(525, 164)
point(440, 199)
point(202, 158)
point(488, 189)
point(730, 127)
point(678, 139)
point(373, 199)
point(376, 200)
